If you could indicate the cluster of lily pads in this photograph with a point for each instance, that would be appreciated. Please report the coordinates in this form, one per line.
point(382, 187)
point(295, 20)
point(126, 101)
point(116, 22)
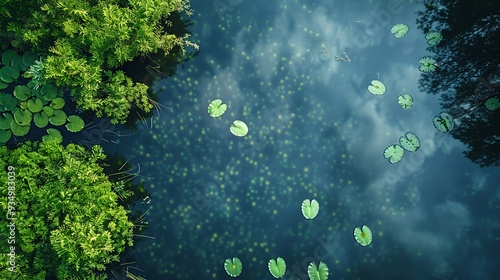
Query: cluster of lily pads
point(27, 103)
point(395, 152)
point(216, 109)
point(405, 100)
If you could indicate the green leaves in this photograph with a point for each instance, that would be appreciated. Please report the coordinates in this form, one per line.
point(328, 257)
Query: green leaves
point(377, 87)
point(310, 208)
point(319, 272)
point(277, 267)
point(75, 123)
point(363, 236)
point(233, 267)
point(216, 108)
point(239, 128)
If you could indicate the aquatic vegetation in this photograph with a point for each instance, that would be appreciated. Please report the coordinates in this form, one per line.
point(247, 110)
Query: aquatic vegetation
point(52, 135)
point(492, 103)
point(405, 101)
point(277, 267)
point(428, 64)
point(310, 208)
point(444, 122)
point(216, 108)
point(75, 123)
point(363, 236)
point(377, 87)
point(394, 153)
point(319, 272)
point(433, 38)
point(410, 142)
point(239, 128)
point(233, 267)
point(399, 30)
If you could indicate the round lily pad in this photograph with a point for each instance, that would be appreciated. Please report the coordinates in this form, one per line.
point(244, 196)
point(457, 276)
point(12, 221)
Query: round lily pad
point(233, 267)
point(5, 120)
point(216, 108)
point(48, 110)
point(13, 72)
point(405, 101)
point(49, 92)
point(428, 64)
point(5, 76)
point(8, 102)
point(22, 92)
point(377, 87)
point(433, 38)
point(444, 122)
point(3, 85)
point(53, 135)
point(363, 236)
point(310, 208)
point(394, 153)
point(410, 142)
point(57, 103)
point(239, 128)
point(75, 123)
point(319, 272)
point(29, 59)
point(17, 62)
point(7, 56)
point(22, 116)
point(277, 267)
point(492, 103)
point(400, 30)
point(5, 136)
point(59, 118)
point(19, 130)
point(41, 119)
point(35, 106)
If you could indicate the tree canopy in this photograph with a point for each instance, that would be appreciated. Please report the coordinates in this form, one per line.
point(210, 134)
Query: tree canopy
point(468, 72)
point(68, 223)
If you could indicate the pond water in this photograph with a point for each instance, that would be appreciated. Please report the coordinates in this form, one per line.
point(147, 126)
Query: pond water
point(297, 73)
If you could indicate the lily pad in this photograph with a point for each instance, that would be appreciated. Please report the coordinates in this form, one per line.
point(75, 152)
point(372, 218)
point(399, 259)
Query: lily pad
point(216, 108)
point(13, 72)
point(41, 119)
point(7, 56)
point(48, 110)
point(428, 64)
point(405, 101)
point(363, 236)
point(492, 103)
point(59, 118)
point(444, 122)
point(5, 120)
point(233, 267)
point(277, 267)
point(57, 103)
point(394, 153)
point(239, 128)
point(5, 136)
point(3, 85)
point(53, 135)
point(5, 76)
point(17, 62)
point(29, 59)
point(22, 116)
point(49, 92)
point(35, 106)
point(8, 102)
point(310, 208)
point(433, 38)
point(400, 30)
point(377, 87)
point(410, 142)
point(19, 130)
point(319, 272)
point(75, 123)
point(22, 92)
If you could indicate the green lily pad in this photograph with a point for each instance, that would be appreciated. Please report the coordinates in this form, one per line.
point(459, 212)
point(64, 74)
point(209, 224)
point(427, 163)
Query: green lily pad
point(233, 267)
point(394, 153)
point(36, 105)
point(17, 62)
point(57, 103)
point(23, 104)
point(310, 208)
point(5, 136)
point(19, 130)
point(3, 85)
point(7, 56)
point(8, 102)
point(363, 236)
point(53, 135)
point(5, 76)
point(492, 103)
point(49, 92)
point(216, 108)
point(377, 87)
point(75, 123)
point(22, 92)
point(405, 101)
point(410, 142)
point(433, 38)
point(277, 267)
point(22, 116)
point(59, 118)
point(41, 119)
point(48, 110)
point(444, 122)
point(5, 120)
point(13, 72)
point(400, 30)
point(428, 64)
point(29, 59)
point(239, 128)
point(319, 272)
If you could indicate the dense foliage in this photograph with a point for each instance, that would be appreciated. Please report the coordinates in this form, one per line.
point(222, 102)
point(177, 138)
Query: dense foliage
point(86, 41)
point(68, 224)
